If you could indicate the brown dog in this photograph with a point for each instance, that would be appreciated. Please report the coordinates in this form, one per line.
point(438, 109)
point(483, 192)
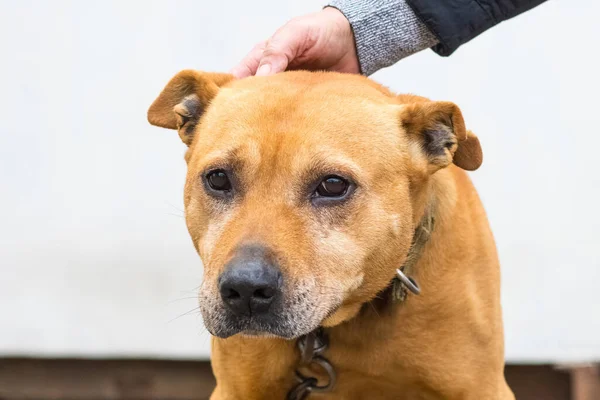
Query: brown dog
point(303, 197)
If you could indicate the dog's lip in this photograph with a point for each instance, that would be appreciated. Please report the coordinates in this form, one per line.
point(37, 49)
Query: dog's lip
point(276, 324)
point(253, 328)
point(258, 334)
point(332, 311)
point(252, 333)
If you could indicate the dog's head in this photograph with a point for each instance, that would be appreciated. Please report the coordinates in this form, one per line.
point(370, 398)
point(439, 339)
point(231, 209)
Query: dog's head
point(303, 190)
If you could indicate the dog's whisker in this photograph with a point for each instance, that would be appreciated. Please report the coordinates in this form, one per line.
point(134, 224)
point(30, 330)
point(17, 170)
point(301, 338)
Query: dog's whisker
point(374, 309)
point(193, 291)
point(174, 207)
point(182, 299)
point(176, 215)
point(195, 309)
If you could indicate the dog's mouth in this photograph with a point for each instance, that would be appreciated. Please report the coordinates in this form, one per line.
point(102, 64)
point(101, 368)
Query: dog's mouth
point(297, 311)
point(259, 326)
point(286, 323)
point(289, 324)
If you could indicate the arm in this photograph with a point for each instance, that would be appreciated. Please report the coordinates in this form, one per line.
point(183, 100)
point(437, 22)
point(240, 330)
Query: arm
point(356, 36)
point(386, 31)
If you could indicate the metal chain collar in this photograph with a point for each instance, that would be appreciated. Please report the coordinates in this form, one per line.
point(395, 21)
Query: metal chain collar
point(311, 348)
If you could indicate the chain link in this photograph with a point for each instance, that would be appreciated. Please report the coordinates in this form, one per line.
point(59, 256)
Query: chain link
point(311, 347)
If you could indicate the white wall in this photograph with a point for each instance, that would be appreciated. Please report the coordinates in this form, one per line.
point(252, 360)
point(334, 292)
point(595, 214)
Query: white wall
point(94, 255)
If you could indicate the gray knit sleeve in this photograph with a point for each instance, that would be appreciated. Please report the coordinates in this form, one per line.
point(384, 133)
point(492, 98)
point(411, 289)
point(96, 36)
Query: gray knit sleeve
point(385, 31)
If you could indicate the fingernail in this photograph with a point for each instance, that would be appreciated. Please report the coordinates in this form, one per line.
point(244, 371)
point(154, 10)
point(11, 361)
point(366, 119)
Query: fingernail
point(263, 70)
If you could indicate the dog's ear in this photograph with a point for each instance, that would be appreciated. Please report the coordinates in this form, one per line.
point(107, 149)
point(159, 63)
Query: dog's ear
point(184, 99)
point(439, 130)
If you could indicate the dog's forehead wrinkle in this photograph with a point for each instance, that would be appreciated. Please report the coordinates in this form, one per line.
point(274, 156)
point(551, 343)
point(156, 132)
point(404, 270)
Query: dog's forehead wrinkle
point(237, 154)
point(289, 130)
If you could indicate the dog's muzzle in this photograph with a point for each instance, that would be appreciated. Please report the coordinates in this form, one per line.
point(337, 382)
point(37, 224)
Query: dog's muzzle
point(251, 296)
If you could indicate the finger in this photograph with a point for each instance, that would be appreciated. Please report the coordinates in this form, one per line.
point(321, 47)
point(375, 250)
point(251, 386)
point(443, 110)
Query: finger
point(282, 48)
point(249, 64)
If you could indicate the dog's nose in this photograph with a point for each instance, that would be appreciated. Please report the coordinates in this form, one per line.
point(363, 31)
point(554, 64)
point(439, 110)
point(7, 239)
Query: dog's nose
point(250, 283)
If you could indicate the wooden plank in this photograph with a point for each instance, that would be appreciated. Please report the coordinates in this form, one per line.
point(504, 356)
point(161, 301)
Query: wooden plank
point(538, 382)
point(72, 379)
point(585, 382)
point(104, 379)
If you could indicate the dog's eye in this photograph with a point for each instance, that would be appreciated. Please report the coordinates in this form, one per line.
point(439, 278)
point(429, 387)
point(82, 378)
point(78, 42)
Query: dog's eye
point(332, 186)
point(218, 180)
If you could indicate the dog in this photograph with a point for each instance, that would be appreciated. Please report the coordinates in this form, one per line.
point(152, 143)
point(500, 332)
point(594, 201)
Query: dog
point(320, 204)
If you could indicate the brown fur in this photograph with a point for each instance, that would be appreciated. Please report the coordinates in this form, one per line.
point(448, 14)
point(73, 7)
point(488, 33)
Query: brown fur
point(280, 133)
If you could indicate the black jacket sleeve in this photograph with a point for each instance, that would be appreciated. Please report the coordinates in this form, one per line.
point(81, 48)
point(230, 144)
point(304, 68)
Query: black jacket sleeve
point(455, 22)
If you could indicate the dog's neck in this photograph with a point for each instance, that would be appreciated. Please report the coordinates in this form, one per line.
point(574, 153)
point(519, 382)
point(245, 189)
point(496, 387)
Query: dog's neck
point(397, 292)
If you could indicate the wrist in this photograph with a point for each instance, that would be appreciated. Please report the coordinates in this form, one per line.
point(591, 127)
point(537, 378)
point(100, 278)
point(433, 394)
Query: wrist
point(343, 38)
point(337, 18)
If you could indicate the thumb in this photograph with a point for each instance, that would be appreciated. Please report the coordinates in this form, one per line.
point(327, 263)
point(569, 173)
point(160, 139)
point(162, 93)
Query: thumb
point(281, 49)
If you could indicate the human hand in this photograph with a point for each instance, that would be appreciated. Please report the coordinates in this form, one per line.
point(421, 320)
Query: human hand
point(318, 41)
